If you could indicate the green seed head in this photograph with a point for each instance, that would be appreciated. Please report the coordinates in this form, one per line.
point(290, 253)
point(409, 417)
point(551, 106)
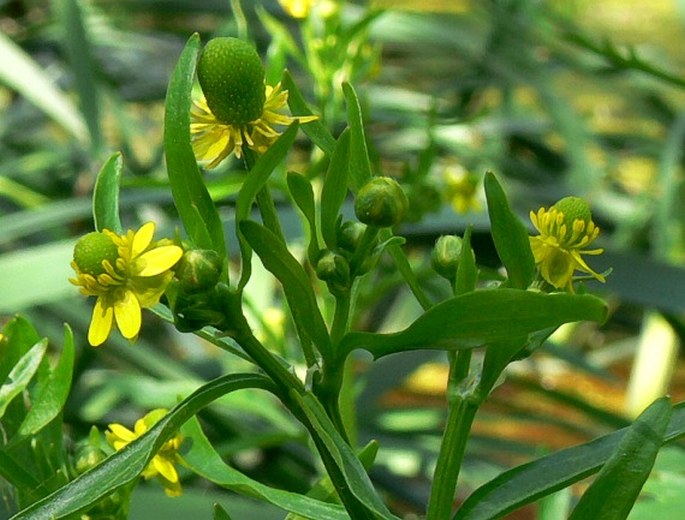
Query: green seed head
point(231, 75)
point(574, 208)
point(91, 250)
point(381, 202)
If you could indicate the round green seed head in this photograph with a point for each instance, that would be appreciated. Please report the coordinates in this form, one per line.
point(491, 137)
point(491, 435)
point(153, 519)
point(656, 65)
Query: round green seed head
point(91, 250)
point(574, 208)
point(231, 75)
point(381, 202)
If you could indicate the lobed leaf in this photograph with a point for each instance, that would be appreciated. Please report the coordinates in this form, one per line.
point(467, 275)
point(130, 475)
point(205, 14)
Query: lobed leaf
point(479, 318)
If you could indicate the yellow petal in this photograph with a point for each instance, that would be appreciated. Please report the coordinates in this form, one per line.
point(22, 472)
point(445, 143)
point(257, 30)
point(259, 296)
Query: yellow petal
point(142, 238)
point(121, 432)
point(165, 468)
point(159, 259)
point(100, 324)
point(128, 315)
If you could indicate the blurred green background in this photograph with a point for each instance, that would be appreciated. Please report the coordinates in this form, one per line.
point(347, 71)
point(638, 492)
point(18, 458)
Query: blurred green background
point(557, 98)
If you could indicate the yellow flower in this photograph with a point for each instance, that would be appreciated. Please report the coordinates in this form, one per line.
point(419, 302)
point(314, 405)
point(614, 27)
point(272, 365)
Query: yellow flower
point(297, 8)
point(461, 190)
point(565, 230)
point(127, 273)
point(214, 140)
point(162, 464)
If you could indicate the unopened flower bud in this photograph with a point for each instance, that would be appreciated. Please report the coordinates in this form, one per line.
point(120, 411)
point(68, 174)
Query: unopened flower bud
point(381, 202)
point(445, 256)
point(231, 75)
point(333, 268)
point(91, 250)
point(349, 235)
point(87, 456)
point(198, 270)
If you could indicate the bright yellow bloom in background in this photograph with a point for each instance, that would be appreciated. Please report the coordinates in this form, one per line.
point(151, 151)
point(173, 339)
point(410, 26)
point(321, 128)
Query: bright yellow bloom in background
point(461, 190)
point(214, 140)
point(162, 465)
point(127, 273)
point(297, 8)
point(566, 229)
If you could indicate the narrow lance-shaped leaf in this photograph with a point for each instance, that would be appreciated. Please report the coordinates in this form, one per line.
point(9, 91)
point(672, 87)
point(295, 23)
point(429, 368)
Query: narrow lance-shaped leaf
point(22, 373)
point(195, 207)
point(254, 182)
point(478, 318)
point(509, 235)
point(296, 284)
point(303, 195)
point(364, 502)
point(527, 483)
point(204, 461)
point(126, 465)
point(360, 166)
point(334, 189)
point(316, 130)
point(615, 490)
point(53, 391)
point(220, 513)
point(106, 195)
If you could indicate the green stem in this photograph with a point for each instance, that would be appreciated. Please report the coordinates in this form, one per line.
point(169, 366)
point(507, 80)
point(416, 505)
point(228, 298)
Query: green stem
point(406, 271)
point(341, 317)
point(459, 421)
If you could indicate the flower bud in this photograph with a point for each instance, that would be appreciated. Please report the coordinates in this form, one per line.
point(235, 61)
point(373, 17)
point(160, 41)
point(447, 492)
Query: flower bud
point(87, 456)
point(445, 256)
point(231, 75)
point(381, 202)
point(91, 250)
point(334, 269)
point(198, 270)
point(349, 234)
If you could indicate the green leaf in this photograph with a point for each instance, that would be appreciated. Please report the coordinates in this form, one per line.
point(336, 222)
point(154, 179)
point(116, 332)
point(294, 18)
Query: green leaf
point(195, 207)
point(220, 513)
point(362, 500)
point(302, 193)
point(467, 272)
point(613, 493)
point(529, 482)
point(479, 318)
point(52, 392)
point(334, 189)
point(20, 336)
point(254, 181)
point(324, 489)
point(106, 195)
point(125, 466)
point(316, 130)
point(21, 73)
point(296, 283)
point(360, 166)
point(78, 49)
point(22, 373)
point(203, 460)
point(509, 235)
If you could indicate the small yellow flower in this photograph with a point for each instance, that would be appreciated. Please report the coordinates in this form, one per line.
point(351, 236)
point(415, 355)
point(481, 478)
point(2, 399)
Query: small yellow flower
point(565, 230)
point(214, 140)
point(297, 8)
point(127, 273)
point(461, 190)
point(163, 463)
